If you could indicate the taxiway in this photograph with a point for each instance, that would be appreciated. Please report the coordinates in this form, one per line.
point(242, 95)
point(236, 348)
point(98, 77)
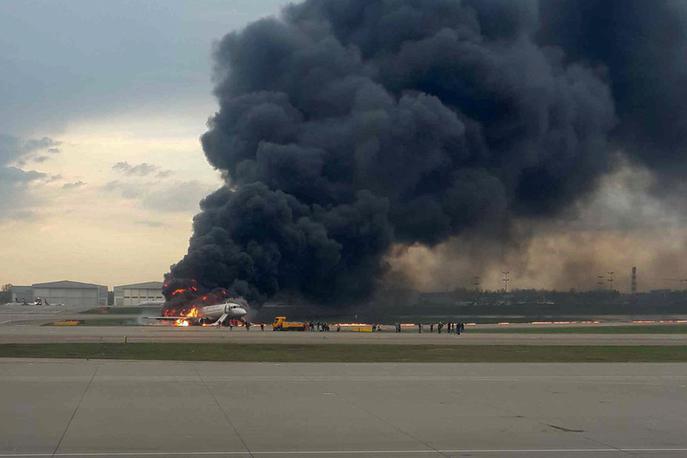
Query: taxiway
point(132, 409)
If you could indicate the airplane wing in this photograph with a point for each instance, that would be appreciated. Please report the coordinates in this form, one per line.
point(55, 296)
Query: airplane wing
point(169, 318)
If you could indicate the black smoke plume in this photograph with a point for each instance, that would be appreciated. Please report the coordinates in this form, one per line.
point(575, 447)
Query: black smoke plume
point(347, 127)
point(182, 295)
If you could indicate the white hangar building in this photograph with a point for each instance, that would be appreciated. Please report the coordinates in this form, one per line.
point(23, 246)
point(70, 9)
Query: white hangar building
point(138, 293)
point(71, 293)
point(21, 293)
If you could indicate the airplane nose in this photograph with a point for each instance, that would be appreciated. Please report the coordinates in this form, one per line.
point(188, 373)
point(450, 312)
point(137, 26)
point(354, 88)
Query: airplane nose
point(241, 311)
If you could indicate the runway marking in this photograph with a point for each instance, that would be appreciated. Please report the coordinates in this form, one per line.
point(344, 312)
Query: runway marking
point(224, 412)
point(351, 452)
point(76, 409)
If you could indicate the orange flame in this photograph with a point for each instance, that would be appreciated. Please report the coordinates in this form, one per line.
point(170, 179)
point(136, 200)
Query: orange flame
point(194, 312)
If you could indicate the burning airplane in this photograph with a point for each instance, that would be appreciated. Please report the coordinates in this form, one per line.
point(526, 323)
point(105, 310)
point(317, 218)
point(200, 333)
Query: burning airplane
point(187, 305)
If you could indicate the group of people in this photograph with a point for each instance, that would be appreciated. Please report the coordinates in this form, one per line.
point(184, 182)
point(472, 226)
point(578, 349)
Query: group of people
point(321, 327)
point(451, 327)
point(455, 328)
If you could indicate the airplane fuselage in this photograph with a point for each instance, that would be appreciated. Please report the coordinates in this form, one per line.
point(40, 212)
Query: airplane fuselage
point(232, 310)
point(212, 315)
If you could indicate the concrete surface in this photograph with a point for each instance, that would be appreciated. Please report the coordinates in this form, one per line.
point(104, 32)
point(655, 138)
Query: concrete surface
point(22, 324)
point(48, 334)
point(122, 408)
point(11, 314)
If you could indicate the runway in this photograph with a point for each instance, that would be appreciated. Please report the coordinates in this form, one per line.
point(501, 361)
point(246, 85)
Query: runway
point(131, 334)
point(123, 408)
point(23, 324)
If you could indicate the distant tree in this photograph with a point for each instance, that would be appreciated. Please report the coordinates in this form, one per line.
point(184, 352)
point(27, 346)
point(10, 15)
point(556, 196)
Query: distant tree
point(6, 293)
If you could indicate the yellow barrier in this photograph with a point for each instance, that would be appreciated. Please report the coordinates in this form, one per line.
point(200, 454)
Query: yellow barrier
point(363, 328)
point(67, 323)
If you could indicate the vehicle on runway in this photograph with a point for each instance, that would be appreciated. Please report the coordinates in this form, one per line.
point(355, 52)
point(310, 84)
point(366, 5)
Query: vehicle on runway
point(280, 324)
point(209, 315)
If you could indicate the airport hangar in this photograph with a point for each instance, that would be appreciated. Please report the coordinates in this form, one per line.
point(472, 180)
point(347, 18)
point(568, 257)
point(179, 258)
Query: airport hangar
point(21, 293)
point(138, 293)
point(71, 293)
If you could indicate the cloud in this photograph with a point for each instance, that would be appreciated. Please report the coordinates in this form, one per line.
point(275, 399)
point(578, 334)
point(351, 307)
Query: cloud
point(19, 176)
point(126, 190)
point(39, 144)
point(14, 148)
point(15, 182)
point(15, 187)
point(176, 197)
point(143, 169)
point(74, 185)
point(150, 223)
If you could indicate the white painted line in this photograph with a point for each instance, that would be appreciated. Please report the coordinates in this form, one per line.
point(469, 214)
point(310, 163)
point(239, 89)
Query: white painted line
point(352, 452)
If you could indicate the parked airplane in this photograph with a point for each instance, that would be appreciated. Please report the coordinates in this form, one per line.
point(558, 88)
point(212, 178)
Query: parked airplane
point(209, 315)
point(36, 301)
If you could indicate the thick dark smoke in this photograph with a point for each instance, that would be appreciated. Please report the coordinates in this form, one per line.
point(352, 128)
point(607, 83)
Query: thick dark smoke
point(182, 295)
point(643, 48)
point(349, 126)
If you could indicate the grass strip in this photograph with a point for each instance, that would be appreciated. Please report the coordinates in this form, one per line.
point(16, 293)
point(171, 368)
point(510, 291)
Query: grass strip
point(138, 310)
point(346, 353)
point(99, 322)
point(555, 329)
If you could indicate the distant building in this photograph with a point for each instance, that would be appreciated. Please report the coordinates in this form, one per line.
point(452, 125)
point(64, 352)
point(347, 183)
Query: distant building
point(21, 294)
point(138, 293)
point(71, 293)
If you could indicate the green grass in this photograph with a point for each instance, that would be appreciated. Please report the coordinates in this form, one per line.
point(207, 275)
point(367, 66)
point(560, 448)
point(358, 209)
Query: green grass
point(555, 329)
point(103, 322)
point(123, 310)
point(346, 353)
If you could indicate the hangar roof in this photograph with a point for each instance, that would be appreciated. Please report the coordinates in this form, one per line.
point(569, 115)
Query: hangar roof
point(66, 284)
point(144, 285)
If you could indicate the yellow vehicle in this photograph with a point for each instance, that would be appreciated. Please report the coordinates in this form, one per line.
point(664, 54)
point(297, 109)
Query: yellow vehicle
point(280, 324)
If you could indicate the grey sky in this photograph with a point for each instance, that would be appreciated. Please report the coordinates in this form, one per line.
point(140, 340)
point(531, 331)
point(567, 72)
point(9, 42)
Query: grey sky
point(61, 61)
point(101, 106)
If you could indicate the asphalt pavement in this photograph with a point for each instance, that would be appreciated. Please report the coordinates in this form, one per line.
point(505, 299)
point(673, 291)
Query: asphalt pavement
point(30, 333)
point(124, 408)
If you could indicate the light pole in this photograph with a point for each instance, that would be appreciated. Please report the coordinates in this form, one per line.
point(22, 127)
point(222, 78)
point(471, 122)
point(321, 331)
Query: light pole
point(610, 280)
point(600, 281)
point(476, 283)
